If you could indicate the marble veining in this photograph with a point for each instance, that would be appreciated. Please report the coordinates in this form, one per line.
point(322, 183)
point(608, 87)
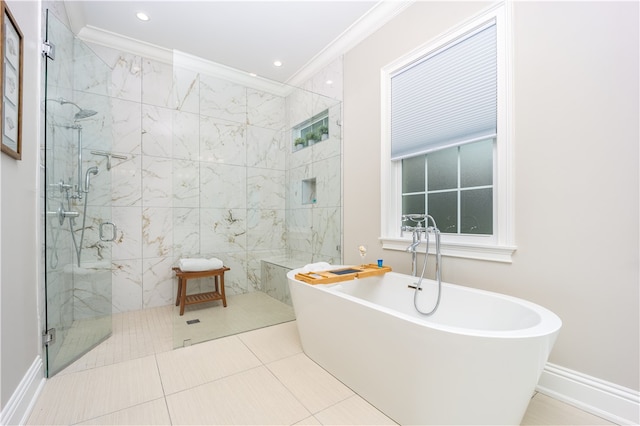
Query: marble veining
point(157, 131)
point(157, 83)
point(156, 241)
point(223, 141)
point(223, 100)
point(186, 88)
point(265, 189)
point(223, 186)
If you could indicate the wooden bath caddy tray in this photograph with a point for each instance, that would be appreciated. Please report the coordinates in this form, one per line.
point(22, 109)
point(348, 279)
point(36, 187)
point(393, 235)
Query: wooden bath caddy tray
point(342, 274)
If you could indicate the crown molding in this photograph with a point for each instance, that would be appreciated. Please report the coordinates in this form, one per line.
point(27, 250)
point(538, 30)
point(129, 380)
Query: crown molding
point(75, 17)
point(375, 18)
point(94, 35)
point(91, 34)
point(198, 64)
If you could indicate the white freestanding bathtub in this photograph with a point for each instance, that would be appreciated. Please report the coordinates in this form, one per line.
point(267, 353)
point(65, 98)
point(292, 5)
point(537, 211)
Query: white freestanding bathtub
point(477, 360)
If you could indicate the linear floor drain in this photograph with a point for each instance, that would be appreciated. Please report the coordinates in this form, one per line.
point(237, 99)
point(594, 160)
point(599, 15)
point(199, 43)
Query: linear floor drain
point(194, 321)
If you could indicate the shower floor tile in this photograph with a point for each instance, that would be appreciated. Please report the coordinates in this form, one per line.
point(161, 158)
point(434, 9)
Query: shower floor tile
point(244, 312)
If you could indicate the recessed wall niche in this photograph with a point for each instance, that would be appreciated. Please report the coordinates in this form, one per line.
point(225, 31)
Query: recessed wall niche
point(309, 191)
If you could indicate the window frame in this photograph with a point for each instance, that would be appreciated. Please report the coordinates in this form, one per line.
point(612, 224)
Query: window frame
point(315, 122)
point(500, 246)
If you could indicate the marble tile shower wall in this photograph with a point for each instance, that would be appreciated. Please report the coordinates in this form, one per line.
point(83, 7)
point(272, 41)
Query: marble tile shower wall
point(205, 178)
point(210, 173)
point(314, 228)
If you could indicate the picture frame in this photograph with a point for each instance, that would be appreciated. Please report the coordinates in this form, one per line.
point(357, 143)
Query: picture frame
point(11, 72)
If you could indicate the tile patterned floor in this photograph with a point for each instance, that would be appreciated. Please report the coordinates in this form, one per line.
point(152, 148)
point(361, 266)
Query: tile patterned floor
point(257, 377)
point(244, 312)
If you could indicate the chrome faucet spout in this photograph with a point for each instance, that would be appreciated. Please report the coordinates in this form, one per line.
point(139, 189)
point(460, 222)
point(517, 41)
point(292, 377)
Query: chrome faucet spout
point(418, 230)
point(416, 233)
point(414, 246)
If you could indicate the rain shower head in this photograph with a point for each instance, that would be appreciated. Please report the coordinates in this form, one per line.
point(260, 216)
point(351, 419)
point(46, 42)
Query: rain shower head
point(82, 113)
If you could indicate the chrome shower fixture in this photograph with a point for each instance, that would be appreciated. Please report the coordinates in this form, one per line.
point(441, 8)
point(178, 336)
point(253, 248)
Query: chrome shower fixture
point(82, 113)
point(87, 177)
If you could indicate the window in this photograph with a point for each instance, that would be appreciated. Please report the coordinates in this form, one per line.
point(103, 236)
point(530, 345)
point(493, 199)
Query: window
point(453, 185)
point(311, 131)
point(446, 145)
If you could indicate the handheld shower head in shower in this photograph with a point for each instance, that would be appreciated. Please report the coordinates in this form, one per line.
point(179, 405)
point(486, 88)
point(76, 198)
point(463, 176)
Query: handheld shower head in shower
point(87, 177)
point(82, 113)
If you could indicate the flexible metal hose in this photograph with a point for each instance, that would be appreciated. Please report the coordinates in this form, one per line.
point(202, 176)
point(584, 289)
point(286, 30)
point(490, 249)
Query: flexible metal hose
point(424, 268)
point(78, 248)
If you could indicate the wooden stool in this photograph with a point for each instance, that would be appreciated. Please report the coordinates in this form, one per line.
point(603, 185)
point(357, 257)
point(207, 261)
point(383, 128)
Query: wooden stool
point(218, 294)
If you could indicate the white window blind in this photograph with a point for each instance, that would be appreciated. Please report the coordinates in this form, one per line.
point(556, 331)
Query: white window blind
point(447, 98)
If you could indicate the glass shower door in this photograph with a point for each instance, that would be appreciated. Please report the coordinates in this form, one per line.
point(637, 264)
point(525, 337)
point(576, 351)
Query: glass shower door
point(77, 197)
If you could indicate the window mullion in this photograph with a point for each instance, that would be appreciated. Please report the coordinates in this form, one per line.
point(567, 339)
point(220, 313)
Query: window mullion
point(459, 214)
point(426, 185)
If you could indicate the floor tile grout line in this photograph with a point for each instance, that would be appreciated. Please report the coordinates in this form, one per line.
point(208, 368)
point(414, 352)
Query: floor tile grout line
point(250, 350)
point(117, 411)
point(199, 385)
point(311, 414)
point(164, 393)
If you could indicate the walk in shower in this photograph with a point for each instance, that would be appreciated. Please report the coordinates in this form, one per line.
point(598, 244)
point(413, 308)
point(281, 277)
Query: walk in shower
point(77, 186)
point(256, 182)
point(187, 163)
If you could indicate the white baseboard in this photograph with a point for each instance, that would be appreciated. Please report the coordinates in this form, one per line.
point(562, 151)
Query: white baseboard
point(19, 406)
point(604, 399)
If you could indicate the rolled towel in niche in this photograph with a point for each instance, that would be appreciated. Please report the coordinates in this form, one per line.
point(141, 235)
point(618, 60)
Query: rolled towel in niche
point(198, 264)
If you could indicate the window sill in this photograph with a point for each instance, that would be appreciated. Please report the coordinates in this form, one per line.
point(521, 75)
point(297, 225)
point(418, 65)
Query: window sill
point(492, 253)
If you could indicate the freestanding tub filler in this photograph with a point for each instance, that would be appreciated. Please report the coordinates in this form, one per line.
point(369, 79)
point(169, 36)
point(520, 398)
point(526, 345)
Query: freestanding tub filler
point(477, 360)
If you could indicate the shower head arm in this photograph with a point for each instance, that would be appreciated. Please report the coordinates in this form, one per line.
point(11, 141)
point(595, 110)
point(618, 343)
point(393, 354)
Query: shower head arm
point(82, 113)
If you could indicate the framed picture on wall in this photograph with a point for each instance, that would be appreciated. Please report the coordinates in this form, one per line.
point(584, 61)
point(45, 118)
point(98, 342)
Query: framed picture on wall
point(11, 48)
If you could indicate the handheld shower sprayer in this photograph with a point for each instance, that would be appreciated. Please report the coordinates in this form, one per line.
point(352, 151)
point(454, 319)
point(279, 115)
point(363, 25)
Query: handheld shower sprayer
point(87, 177)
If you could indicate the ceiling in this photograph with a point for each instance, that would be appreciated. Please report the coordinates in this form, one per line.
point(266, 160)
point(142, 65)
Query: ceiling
point(244, 35)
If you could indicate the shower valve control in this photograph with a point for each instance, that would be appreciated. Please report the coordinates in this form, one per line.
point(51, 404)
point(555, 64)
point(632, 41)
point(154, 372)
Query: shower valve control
point(61, 186)
point(61, 213)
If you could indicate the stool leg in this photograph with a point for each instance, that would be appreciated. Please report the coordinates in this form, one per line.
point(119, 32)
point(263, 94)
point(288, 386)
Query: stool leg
point(183, 296)
point(179, 289)
point(224, 298)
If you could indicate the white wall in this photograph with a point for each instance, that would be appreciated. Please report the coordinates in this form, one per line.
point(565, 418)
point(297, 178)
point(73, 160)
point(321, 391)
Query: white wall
point(19, 227)
point(575, 85)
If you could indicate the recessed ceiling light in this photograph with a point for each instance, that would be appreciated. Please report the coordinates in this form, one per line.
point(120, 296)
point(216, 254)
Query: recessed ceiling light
point(277, 63)
point(142, 16)
point(329, 82)
point(253, 74)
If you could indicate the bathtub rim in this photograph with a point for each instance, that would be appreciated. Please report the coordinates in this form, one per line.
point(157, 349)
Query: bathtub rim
point(549, 323)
